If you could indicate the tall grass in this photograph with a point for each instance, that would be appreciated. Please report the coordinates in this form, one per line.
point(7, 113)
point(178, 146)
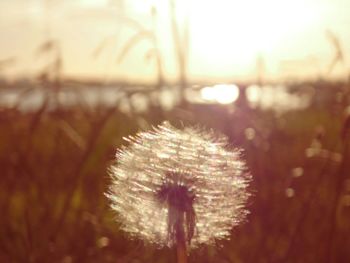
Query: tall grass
point(53, 174)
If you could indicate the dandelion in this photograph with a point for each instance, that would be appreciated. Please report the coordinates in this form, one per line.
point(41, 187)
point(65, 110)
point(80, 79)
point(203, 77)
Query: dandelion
point(179, 187)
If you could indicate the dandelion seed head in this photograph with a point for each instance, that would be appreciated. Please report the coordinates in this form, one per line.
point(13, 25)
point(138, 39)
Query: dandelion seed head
point(168, 176)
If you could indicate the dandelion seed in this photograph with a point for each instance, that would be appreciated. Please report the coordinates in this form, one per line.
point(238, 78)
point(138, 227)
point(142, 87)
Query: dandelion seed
point(172, 184)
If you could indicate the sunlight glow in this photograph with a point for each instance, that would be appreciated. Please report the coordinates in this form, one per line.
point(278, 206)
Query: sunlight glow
point(94, 3)
point(253, 93)
point(231, 34)
point(250, 26)
point(225, 38)
point(221, 93)
point(277, 98)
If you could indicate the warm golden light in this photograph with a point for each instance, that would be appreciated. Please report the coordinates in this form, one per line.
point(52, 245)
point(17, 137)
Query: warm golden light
point(249, 26)
point(225, 38)
point(253, 93)
point(277, 97)
point(167, 174)
point(221, 93)
point(94, 3)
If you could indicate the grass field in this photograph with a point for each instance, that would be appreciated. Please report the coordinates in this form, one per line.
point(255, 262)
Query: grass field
point(54, 176)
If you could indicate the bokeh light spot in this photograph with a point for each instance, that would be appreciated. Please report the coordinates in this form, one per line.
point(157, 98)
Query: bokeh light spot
point(290, 192)
point(221, 93)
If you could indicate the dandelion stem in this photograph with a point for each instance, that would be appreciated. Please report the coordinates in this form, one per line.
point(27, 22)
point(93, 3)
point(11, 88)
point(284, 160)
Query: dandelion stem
point(181, 243)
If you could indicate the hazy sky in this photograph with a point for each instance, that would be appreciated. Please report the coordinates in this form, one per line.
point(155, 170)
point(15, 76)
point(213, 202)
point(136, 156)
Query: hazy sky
point(227, 37)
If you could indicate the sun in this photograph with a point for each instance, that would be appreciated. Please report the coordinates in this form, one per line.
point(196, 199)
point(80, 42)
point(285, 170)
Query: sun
point(249, 26)
point(228, 36)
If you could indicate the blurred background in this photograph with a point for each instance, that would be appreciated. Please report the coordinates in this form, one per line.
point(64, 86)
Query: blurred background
point(78, 76)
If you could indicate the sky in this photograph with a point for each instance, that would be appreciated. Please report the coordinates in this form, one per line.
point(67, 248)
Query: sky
point(228, 40)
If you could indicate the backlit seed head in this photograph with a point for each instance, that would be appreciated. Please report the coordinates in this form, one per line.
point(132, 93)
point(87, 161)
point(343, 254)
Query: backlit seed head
point(170, 179)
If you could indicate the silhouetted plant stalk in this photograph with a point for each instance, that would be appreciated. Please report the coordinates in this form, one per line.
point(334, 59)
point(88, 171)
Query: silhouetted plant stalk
point(342, 175)
point(50, 76)
point(181, 44)
point(141, 33)
point(338, 57)
point(77, 173)
point(156, 51)
point(179, 188)
point(180, 35)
